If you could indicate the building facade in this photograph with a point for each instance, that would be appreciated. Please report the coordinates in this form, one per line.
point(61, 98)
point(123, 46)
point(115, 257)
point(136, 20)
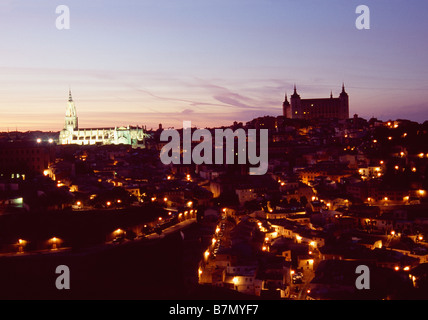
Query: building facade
point(317, 108)
point(19, 159)
point(72, 134)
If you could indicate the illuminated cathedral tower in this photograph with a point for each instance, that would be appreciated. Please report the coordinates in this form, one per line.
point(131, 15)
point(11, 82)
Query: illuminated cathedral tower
point(70, 114)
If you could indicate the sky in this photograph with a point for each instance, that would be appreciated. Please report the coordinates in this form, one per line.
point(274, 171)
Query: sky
point(211, 62)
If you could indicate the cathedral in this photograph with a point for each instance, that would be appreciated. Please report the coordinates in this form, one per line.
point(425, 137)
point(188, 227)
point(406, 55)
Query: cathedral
point(317, 108)
point(72, 134)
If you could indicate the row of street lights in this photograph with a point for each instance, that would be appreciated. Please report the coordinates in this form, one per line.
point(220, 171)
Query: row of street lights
point(53, 242)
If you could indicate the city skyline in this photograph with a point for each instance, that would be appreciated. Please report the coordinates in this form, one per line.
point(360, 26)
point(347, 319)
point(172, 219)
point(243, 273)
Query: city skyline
point(212, 63)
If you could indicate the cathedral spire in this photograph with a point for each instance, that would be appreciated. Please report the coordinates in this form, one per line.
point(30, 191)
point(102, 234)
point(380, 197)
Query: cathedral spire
point(69, 95)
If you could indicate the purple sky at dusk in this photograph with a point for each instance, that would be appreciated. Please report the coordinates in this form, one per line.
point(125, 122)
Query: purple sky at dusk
point(208, 61)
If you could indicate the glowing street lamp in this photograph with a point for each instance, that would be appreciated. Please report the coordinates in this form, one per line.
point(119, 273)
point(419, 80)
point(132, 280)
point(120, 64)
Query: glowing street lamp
point(54, 242)
point(21, 245)
point(235, 280)
point(206, 254)
point(118, 232)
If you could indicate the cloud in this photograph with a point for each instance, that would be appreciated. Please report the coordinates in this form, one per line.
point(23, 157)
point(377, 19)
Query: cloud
point(187, 111)
point(232, 102)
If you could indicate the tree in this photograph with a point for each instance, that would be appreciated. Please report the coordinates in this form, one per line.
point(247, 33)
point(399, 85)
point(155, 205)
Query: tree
point(303, 201)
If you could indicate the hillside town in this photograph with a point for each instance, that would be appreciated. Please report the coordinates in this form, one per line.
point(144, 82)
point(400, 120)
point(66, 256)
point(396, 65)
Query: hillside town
point(338, 194)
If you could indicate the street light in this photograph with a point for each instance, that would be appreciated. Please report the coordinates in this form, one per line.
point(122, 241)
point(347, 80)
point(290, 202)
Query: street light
point(21, 245)
point(235, 280)
point(54, 241)
point(206, 254)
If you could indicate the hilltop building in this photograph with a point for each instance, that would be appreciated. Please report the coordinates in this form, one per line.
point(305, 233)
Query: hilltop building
point(72, 134)
point(317, 108)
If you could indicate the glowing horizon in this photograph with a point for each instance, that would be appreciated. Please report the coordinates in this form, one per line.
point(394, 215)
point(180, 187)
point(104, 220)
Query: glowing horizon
point(211, 62)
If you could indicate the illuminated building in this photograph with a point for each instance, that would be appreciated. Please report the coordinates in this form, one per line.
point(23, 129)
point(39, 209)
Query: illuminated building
point(72, 134)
